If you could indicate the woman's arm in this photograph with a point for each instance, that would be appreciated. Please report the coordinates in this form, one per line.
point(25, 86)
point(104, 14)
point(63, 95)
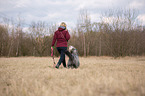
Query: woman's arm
point(54, 39)
point(67, 35)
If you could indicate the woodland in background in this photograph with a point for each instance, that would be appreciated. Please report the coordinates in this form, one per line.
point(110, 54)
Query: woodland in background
point(117, 34)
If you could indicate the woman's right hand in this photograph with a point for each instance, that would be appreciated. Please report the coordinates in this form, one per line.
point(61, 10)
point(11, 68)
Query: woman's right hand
point(51, 48)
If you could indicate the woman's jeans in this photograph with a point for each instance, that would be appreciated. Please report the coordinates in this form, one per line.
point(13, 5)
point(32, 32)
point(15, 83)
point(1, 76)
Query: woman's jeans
point(61, 51)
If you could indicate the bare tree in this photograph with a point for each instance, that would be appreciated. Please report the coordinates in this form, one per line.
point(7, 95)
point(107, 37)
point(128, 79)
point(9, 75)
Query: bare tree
point(38, 31)
point(19, 34)
point(84, 26)
point(11, 39)
point(4, 36)
point(121, 25)
point(3, 40)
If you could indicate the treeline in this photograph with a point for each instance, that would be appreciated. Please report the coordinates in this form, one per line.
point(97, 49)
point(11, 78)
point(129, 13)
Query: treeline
point(117, 34)
point(15, 42)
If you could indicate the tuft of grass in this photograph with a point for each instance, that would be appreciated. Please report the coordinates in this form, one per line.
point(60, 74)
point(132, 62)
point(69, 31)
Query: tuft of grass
point(102, 76)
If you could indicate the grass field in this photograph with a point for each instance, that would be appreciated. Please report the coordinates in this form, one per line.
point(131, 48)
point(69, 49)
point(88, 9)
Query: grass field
point(96, 76)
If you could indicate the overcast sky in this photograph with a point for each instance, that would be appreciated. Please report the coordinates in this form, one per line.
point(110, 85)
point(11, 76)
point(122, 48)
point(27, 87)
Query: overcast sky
point(56, 11)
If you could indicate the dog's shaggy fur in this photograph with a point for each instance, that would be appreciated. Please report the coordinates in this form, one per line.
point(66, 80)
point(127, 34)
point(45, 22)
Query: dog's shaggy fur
point(73, 61)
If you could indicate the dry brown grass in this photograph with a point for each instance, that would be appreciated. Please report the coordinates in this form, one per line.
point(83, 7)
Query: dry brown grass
point(97, 76)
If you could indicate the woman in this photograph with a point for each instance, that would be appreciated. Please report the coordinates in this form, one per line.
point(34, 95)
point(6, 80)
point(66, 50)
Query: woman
point(61, 36)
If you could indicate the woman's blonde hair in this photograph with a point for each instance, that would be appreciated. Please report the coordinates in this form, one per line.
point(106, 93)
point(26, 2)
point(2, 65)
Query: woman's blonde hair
point(63, 24)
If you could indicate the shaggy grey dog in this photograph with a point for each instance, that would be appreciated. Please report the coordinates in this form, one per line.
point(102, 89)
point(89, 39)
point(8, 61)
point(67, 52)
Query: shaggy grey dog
point(73, 61)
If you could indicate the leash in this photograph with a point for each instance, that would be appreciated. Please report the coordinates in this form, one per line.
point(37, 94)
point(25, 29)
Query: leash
point(62, 36)
point(52, 56)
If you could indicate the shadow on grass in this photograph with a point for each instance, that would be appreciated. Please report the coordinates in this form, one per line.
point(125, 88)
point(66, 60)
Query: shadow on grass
point(53, 67)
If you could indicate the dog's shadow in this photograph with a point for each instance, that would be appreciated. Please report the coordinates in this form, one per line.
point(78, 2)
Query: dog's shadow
point(50, 66)
point(53, 67)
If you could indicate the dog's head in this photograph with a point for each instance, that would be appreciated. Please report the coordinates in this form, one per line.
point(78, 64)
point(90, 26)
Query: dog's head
point(72, 50)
